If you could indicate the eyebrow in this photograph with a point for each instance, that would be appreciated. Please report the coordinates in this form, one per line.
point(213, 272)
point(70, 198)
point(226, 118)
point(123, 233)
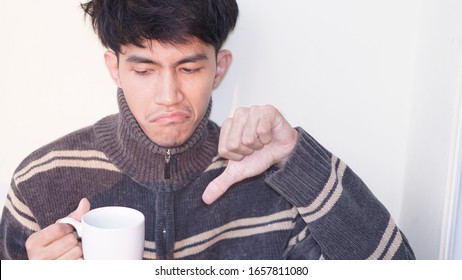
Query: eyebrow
point(192, 58)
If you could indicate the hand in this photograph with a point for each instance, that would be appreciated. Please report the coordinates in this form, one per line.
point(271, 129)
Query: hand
point(57, 241)
point(253, 140)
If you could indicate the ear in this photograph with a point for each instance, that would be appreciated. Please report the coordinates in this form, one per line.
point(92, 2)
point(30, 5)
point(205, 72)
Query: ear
point(224, 59)
point(112, 65)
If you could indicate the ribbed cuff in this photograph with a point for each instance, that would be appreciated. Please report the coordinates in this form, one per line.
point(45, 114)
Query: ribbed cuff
point(306, 171)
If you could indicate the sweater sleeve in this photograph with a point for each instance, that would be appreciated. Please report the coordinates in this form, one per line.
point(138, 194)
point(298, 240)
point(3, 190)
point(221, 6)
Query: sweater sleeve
point(16, 226)
point(342, 215)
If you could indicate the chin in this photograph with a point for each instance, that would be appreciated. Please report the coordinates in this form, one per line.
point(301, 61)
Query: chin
point(169, 143)
point(169, 136)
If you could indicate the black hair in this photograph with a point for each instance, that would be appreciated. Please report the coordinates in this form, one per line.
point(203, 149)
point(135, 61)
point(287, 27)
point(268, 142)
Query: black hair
point(123, 22)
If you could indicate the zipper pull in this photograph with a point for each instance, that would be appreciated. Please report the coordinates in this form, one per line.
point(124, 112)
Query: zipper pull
point(168, 155)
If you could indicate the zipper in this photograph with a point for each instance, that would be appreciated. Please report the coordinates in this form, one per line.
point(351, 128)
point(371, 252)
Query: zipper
point(165, 207)
point(168, 156)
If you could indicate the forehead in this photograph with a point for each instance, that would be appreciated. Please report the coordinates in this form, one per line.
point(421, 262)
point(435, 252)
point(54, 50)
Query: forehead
point(155, 48)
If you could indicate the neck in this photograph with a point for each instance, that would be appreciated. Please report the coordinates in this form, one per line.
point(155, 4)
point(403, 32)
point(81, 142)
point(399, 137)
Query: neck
point(126, 145)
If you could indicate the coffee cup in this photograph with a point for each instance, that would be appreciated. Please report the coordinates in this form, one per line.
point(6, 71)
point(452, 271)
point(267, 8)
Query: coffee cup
point(110, 233)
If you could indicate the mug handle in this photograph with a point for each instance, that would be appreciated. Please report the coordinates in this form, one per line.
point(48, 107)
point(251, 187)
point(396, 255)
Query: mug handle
point(73, 222)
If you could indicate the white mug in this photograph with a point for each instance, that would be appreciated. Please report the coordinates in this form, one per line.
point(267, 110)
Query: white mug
point(110, 233)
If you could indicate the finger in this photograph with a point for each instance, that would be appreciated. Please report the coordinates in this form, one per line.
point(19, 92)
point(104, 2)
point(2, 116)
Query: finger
point(258, 129)
point(227, 150)
point(214, 190)
point(236, 156)
point(250, 136)
point(64, 248)
point(48, 235)
point(42, 244)
point(265, 125)
point(220, 185)
point(84, 207)
point(75, 253)
point(233, 141)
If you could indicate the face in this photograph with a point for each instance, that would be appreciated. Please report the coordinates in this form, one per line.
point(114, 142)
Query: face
point(168, 87)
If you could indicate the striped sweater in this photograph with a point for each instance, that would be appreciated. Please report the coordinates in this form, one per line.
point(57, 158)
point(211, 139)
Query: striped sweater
point(313, 207)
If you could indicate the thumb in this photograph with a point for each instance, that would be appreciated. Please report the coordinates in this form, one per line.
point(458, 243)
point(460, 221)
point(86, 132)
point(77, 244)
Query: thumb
point(220, 185)
point(84, 207)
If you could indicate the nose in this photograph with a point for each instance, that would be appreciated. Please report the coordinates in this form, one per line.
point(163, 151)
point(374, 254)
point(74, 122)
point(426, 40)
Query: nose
point(168, 89)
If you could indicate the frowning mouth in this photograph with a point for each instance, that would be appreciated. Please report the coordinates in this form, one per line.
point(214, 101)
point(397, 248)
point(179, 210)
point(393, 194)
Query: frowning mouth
point(169, 117)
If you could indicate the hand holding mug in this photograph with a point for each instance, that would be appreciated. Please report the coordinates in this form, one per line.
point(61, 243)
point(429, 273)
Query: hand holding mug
point(111, 233)
point(57, 241)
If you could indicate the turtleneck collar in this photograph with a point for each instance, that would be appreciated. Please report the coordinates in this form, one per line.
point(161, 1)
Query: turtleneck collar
point(128, 147)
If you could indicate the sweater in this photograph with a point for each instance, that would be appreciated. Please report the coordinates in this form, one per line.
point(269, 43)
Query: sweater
point(312, 207)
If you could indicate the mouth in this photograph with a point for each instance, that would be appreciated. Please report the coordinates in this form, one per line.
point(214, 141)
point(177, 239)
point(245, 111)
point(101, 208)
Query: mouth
point(170, 117)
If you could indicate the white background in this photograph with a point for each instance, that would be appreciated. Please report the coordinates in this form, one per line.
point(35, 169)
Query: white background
point(378, 83)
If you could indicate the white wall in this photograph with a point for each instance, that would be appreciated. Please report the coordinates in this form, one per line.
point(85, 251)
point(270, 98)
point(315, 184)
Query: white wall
point(52, 77)
point(429, 181)
point(349, 72)
point(341, 69)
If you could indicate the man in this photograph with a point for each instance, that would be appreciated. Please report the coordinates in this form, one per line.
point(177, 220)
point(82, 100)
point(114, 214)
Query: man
point(256, 188)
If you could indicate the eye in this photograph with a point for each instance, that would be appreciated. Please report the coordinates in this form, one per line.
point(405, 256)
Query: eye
point(189, 70)
point(142, 72)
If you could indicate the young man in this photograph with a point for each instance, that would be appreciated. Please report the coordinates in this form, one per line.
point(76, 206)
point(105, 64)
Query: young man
point(256, 188)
